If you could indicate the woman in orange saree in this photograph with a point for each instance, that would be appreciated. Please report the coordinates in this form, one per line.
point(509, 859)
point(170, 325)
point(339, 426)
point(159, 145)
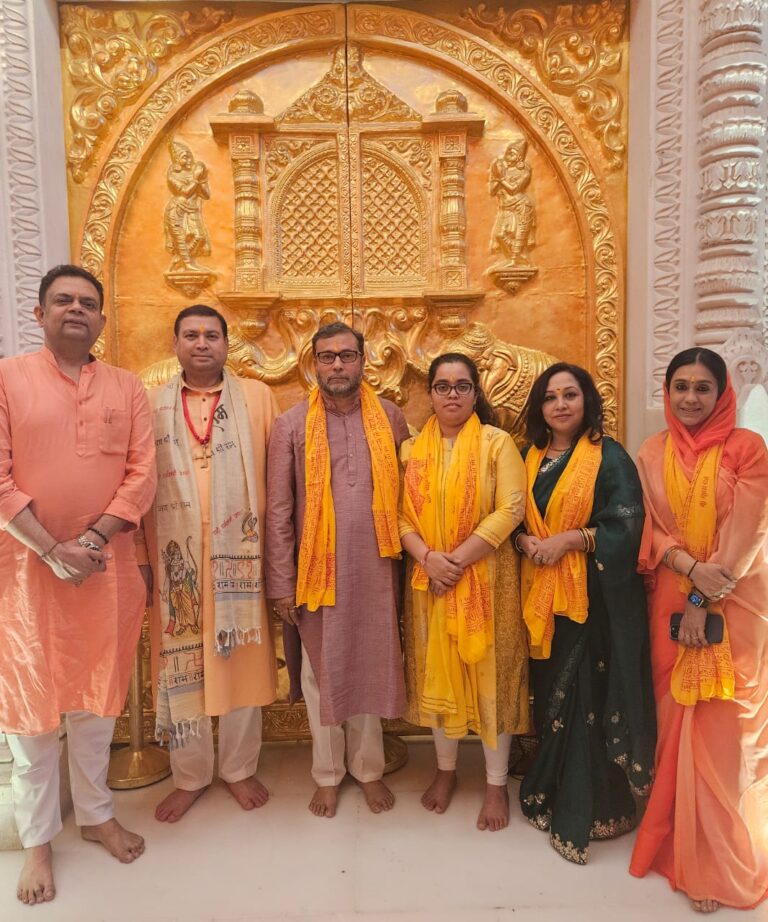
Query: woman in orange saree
point(705, 486)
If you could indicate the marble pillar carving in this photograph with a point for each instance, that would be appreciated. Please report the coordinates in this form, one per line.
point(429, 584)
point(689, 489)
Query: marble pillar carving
point(731, 273)
point(33, 203)
point(697, 245)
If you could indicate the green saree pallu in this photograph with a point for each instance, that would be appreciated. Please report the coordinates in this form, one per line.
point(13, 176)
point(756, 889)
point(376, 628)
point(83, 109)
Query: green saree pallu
point(593, 698)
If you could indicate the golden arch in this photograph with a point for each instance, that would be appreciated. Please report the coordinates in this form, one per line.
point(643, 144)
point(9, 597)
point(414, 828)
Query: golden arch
point(453, 50)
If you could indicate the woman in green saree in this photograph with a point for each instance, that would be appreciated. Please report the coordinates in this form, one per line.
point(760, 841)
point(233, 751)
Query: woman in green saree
point(584, 606)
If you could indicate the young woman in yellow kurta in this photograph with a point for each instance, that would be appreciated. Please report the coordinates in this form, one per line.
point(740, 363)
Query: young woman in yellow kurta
point(465, 649)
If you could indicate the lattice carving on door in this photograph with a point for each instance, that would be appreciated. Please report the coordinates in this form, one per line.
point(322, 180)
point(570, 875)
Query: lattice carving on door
point(395, 245)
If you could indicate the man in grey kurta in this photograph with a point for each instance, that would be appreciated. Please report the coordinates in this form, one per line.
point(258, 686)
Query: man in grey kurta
point(348, 661)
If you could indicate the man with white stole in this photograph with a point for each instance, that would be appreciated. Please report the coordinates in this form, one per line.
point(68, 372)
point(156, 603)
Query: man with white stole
point(213, 653)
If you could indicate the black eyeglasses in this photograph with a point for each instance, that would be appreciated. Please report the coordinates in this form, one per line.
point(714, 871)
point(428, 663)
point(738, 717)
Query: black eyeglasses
point(346, 355)
point(463, 388)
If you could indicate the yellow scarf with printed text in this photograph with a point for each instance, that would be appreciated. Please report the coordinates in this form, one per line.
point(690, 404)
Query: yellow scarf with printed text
point(460, 623)
point(699, 673)
point(562, 587)
point(316, 581)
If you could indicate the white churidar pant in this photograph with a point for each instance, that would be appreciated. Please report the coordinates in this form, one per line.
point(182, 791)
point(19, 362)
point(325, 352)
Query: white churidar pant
point(360, 737)
point(35, 777)
point(496, 760)
point(239, 749)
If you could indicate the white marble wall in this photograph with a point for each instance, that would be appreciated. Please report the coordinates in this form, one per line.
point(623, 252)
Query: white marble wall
point(33, 195)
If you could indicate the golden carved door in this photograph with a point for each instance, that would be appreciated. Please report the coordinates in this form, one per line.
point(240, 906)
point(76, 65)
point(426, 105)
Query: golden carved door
point(444, 177)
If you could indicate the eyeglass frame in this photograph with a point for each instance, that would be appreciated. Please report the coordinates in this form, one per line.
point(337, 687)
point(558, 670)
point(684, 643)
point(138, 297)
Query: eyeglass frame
point(453, 387)
point(337, 355)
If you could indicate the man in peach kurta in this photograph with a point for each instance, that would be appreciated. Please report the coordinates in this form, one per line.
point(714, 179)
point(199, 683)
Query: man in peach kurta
point(76, 475)
point(197, 675)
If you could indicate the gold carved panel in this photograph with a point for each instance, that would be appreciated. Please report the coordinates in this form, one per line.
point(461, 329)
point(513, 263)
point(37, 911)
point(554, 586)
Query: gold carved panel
point(443, 175)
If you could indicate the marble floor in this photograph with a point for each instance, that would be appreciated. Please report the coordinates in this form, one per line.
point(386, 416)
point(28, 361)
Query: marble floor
point(220, 864)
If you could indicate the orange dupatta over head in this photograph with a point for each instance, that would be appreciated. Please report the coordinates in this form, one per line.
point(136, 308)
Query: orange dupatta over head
point(316, 581)
point(562, 587)
point(699, 673)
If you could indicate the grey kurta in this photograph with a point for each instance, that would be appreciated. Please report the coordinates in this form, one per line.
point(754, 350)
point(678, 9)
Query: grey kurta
point(354, 645)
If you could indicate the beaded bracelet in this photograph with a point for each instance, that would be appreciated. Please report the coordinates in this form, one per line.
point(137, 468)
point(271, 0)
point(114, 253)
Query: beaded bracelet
point(99, 534)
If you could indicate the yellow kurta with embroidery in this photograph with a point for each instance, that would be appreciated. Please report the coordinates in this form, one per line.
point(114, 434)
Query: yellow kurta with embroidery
point(500, 679)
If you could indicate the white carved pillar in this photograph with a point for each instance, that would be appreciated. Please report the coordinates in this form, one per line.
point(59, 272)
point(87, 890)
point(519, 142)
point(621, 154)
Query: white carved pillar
point(731, 271)
point(696, 255)
point(33, 191)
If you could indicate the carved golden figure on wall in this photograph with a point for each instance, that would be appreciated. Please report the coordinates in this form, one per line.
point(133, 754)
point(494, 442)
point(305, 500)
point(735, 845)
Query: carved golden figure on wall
point(513, 234)
point(186, 236)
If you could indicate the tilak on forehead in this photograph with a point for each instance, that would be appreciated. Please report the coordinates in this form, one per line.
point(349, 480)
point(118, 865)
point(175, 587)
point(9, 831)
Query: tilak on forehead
point(693, 379)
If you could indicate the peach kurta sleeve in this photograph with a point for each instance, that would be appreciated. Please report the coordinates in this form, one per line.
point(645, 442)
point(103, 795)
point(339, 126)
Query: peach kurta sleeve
point(134, 495)
point(742, 531)
point(659, 533)
point(12, 499)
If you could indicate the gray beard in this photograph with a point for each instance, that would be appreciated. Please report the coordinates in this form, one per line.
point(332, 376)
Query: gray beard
point(340, 390)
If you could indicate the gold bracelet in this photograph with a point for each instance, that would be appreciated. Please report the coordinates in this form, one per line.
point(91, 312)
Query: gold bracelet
point(670, 556)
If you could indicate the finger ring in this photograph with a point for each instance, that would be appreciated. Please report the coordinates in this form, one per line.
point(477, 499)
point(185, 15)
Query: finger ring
point(275, 610)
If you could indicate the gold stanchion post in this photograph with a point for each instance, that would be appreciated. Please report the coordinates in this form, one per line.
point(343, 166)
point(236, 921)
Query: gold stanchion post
point(395, 753)
point(137, 764)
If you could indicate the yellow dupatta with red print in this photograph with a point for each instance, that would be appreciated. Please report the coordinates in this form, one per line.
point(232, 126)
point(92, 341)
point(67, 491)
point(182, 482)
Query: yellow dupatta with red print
point(316, 581)
point(460, 623)
point(562, 587)
point(699, 673)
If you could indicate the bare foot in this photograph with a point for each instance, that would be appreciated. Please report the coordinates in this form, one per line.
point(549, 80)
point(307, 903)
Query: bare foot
point(377, 795)
point(124, 845)
point(439, 794)
point(494, 814)
point(249, 792)
point(323, 801)
point(705, 905)
point(175, 805)
point(36, 879)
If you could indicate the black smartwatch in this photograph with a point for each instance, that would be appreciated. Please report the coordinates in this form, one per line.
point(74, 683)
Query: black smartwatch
point(697, 599)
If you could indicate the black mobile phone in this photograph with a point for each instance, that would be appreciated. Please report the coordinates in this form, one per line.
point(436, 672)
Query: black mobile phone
point(713, 626)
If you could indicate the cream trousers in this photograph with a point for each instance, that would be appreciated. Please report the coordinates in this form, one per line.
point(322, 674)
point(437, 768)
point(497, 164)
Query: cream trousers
point(35, 777)
point(496, 760)
point(239, 748)
point(360, 738)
